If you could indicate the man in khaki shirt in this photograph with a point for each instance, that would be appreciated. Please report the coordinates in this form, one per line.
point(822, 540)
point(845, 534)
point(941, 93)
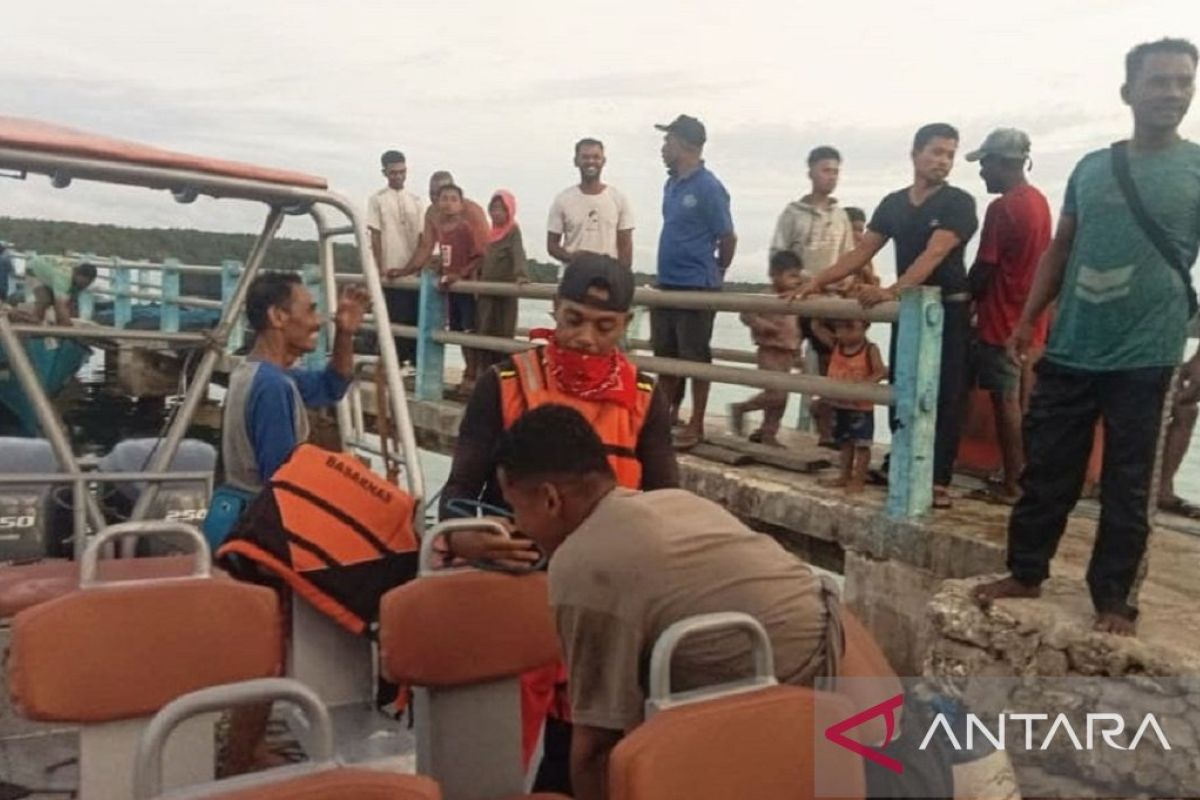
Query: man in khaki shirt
point(626, 565)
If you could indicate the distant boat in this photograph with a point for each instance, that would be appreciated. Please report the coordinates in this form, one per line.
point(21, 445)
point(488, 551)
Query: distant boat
point(55, 361)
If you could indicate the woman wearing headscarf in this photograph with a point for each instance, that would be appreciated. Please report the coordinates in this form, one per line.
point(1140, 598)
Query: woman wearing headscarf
point(503, 263)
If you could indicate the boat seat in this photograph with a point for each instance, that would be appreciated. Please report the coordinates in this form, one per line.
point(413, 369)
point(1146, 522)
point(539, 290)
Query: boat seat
point(110, 654)
point(321, 778)
point(26, 585)
point(462, 638)
point(752, 738)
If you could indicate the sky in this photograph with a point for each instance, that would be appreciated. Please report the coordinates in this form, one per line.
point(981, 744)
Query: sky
point(498, 94)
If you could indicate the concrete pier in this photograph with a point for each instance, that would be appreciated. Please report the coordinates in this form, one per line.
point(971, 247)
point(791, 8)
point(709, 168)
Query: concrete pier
point(895, 568)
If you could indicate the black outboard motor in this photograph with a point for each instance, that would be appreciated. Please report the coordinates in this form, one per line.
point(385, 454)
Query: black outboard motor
point(27, 529)
point(176, 500)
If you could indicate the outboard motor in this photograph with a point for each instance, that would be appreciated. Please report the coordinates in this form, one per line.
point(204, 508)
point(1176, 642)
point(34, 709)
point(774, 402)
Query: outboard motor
point(26, 528)
point(178, 501)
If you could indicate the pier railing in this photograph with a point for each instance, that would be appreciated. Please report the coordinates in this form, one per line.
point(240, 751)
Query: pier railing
point(913, 395)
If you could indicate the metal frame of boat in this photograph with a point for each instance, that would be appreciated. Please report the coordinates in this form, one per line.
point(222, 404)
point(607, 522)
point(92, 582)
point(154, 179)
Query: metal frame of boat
point(64, 155)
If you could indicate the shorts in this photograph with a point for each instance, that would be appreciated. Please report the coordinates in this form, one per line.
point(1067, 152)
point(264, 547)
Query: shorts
point(684, 333)
point(854, 426)
point(995, 371)
point(460, 314)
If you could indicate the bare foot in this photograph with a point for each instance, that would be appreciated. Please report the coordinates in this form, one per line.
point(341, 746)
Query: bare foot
point(855, 487)
point(840, 482)
point(1108, 622)
point(688, 438)
point(770, 441)
point(985, 594)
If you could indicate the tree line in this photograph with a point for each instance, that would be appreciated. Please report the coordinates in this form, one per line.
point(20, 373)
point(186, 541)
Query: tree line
point(192, 246)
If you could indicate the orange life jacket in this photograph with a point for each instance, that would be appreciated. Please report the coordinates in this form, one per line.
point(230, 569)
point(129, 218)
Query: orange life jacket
point(527, 386)
point(334, 531)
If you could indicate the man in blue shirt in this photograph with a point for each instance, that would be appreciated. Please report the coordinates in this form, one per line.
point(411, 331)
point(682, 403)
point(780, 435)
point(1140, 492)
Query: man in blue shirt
point(265, 415)
point(695, 248)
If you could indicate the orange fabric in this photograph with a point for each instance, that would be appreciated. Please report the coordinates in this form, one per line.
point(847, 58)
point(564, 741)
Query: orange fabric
point(343, 784)
point(25, 586)
point(345, 484)
point(121, 651)
point(323, 602)
point(851, 369)
point(43, 137)
point(540, 697)
point(872, 679)
point(763, 745)
point(466, 628)
point(617, 426)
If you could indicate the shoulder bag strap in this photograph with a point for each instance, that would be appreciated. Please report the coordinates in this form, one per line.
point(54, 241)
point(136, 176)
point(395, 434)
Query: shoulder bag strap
point(1153, 231)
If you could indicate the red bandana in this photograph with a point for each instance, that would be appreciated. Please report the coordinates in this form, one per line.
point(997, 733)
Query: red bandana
point(609, 378)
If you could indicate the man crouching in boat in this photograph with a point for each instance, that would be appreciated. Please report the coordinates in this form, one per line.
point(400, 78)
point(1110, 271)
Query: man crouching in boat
point(265, 419)
point(581, 367)
point(626, 565)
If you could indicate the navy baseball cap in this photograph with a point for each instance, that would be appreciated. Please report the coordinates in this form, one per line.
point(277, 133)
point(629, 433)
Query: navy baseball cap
point(690, 129)
point(594, 269)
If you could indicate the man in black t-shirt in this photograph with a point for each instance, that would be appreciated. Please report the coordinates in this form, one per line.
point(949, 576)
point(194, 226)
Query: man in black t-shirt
point(930, 223)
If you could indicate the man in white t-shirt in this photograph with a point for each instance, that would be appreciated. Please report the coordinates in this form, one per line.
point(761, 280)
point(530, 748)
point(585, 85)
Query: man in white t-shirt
point(396, 218)
point(591, 217)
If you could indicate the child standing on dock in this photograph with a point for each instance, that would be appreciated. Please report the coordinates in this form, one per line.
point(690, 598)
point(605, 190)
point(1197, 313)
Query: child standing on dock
point(777, 337)
point(461, 254)
point(855, 359)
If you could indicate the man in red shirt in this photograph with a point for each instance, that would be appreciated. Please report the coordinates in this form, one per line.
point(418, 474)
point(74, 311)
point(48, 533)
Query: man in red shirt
point(1016, 231)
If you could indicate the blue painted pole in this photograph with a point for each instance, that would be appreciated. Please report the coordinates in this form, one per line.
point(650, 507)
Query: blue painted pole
point(918, 367)
point(170, 295)
point(431, 355)
point(122, 302)
point(312, 281)
point(230, 271)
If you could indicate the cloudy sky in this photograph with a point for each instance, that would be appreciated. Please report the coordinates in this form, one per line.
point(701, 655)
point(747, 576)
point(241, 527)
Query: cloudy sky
point(498, 92)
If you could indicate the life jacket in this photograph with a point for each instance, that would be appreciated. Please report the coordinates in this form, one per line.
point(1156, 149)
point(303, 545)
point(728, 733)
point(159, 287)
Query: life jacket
point(526, 385)
point(338, 534)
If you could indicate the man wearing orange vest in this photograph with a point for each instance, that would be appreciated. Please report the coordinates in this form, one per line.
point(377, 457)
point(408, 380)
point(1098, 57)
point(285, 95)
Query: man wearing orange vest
point(582, 367)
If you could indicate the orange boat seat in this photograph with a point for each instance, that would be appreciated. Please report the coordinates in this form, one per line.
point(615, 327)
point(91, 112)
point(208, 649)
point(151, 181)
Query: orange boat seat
point(26, 585)
point(462, 638)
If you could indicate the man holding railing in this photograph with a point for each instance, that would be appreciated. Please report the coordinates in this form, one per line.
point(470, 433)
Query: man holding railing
point(56, 284)
point(930, 223)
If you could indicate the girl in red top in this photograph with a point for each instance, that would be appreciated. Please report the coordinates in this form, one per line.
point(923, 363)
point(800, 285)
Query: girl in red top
point(854, 360)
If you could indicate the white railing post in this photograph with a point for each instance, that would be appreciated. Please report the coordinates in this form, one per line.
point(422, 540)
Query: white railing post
point(170, 295)
point(122, 303)
point(915, 389)
point(231, 269)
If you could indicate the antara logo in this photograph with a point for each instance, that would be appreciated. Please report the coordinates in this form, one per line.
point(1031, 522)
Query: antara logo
point(887, 710)
point(1098, 727)
point(1108, 726)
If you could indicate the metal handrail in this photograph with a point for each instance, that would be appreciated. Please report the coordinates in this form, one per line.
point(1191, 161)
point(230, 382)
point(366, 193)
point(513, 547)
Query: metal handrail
point(88, 564)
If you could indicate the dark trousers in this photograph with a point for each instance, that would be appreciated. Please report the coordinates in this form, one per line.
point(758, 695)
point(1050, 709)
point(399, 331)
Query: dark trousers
point(403, 307)
point(1058, 443)
point(952, 382)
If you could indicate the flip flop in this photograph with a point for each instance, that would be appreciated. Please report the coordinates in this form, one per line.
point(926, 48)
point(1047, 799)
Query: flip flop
point(1179, 507)
point(686, 441)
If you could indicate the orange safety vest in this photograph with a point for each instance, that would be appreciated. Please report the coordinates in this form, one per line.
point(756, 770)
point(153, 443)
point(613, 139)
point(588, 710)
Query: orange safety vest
point(527, 386)
point(338, 534)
